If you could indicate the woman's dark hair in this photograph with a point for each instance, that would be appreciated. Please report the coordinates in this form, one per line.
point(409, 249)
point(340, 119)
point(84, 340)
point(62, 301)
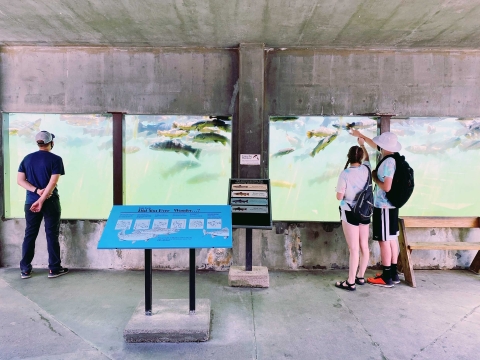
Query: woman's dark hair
point(355, 155)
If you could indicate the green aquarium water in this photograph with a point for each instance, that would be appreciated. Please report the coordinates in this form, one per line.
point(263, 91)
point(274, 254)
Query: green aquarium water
point(307, 155)
point(177, 160)
point(85, 144)
point(167, 160)
point(445, 154)
point(187, 160)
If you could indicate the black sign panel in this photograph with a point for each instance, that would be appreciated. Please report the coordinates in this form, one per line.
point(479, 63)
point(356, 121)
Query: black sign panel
point(250, 201)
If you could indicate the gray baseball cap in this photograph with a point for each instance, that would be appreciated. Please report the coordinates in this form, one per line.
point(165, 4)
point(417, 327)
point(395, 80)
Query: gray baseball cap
point(44, 137)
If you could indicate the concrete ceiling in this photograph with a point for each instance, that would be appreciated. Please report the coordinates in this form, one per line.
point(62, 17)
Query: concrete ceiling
point(377, 24)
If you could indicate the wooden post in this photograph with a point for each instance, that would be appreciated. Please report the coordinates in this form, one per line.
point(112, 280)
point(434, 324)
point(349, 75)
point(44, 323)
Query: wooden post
point(475, 266)
point(404, 257)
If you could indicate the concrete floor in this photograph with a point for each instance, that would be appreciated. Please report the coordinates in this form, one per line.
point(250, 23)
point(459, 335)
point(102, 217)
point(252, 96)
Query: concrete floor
point(300, 316)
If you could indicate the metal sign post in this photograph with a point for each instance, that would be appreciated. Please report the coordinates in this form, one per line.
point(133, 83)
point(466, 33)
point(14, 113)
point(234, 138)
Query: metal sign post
point(192, 282)
point(148, 282)
point(248, 249)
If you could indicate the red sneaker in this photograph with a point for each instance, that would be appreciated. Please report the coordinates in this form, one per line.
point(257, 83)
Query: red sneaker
point(380, 282)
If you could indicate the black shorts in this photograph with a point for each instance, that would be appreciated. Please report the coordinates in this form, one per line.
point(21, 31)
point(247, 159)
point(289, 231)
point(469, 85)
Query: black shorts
point(350, 218)
point(385, 224)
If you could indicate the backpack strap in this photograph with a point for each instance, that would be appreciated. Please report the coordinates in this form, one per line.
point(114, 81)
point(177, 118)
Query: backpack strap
point(369, 180)
point(394, 155)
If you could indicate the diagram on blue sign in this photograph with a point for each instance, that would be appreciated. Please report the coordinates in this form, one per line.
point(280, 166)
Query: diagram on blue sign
point(223, 232)
point(159, 227)
point(179, 224)
point(160, 223)
point(196, 224)
point(144, 235)
point(141, 224)
point(214, 223)
point(123, 224)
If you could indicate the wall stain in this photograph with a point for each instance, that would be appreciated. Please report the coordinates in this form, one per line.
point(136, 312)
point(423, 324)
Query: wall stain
point(293, 247)
point(119, 253)
point(217, 259)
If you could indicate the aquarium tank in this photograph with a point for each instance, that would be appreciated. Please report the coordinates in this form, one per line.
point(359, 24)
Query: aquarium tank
point(172, 159)
point(444, 154)
point(85, 144)
point(307, 154)
point(167, 160)
point(177, 160)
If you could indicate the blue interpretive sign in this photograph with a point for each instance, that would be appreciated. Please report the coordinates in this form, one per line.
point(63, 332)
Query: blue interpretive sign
point(167, 227)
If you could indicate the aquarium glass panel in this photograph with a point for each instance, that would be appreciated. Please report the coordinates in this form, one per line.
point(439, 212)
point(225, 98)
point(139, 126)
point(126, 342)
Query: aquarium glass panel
point(177, 160)
point(85, 144)
point(307, 154)
point(444, 154)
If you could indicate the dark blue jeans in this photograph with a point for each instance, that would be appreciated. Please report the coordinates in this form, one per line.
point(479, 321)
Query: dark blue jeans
point(50, 212)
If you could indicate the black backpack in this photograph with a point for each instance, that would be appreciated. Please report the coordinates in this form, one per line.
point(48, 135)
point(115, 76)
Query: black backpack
point(363, 209)
point(403, 182)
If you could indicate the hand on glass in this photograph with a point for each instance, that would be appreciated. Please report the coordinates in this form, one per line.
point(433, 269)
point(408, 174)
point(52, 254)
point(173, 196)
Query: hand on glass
point(355, 133)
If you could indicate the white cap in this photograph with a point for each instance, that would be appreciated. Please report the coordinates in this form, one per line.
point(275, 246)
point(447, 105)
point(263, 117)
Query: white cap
point(44, 137)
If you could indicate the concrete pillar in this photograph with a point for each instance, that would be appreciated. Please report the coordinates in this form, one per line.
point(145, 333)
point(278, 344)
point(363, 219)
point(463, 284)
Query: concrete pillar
point(2, 169)
point(251, 137)
point(385, 123)
point(118, 160)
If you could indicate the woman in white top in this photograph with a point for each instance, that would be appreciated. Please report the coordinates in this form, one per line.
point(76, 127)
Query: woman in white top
point(350, 182)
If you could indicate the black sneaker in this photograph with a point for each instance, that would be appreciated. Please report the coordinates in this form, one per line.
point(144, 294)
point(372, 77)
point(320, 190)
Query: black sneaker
point(395, 279)
point(26, 274)
point(57, 273)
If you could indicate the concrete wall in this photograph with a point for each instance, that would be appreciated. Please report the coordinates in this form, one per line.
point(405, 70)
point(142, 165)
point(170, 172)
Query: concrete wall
point(203, 81)
point(286, 247)
point(341, 82)
point(134, 81)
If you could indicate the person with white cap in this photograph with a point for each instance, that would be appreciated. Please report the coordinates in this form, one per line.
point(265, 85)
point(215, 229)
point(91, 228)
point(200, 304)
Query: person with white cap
point(385, 215)
point(39, 173)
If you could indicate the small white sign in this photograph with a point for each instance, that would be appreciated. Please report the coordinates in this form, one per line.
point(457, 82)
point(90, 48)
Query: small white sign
point(249, 159)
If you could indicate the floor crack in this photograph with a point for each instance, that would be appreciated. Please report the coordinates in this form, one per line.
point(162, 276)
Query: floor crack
point(254, 329)
point(374, 343)
point(446, 331)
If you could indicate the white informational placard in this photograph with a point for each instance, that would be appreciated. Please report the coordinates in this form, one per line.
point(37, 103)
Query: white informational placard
point(249, 159)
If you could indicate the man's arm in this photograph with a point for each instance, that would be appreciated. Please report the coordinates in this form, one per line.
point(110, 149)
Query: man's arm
point(358, 134)
point(385, 185)
point(37, 205)
point(23, 182)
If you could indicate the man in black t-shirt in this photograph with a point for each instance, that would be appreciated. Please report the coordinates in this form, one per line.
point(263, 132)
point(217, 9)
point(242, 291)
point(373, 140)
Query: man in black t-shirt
point(39, 173)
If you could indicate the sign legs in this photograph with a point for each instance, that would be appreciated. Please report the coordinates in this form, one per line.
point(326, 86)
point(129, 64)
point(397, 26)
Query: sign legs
point(148, 282)
point(192, 281)
point(248, 249)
